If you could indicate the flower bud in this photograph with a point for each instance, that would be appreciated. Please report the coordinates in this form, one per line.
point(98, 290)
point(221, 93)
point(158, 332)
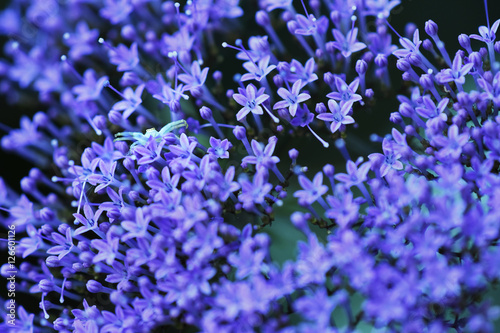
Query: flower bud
point(94, 287)
point(262, 18)
point(427, 45)
point(403, 65)
point(240, 132)
point(329, 170)
point(381, 60)
point(361, 67)
point(294, 154)
point(206, 113)
point(431, 28)
point(464, 41)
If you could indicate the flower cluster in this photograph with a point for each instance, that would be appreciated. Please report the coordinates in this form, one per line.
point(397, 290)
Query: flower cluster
point(159, 173)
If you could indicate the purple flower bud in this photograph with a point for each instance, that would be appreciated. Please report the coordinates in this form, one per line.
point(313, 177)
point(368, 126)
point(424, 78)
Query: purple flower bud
point(362, 67)
point(287, 16)
point(335, 16)
point(278, 80)
point(321, 108)
point(431, 28)
point(262, 18)
point(86, 257)
point(283, 66)
point(427, 45)
point(77, 266)
point(330, 47)
point(240, 132)
point(369, 93)
point(406, 110)
point(100, 122)
point(410, 29)
point(115, 117)
point(367, 57)
point(292, 26)
point(395, 117)
point(410, 130)
point(463, 98)
point(329, 170)
point(496, 47)
point(329, 78)
point(483, 51)
point(403, 65)
point(28, 185)
point(294, 154)
point(46, 214)
point(300, 222)
point(128, 32)
point(464, 41)
point(406, 76)
point(35, 174)
point(217, 75)
point(129, 164)
point(415, 60)
point(94, 287)
point(40, 119)
point(197, 92)
point(206, 113)
point(46, 229)
point(62, 228)
point(229, 93)
point(46, 285)
point(426, 81)
point(84, 246)
point(52, 261)
point(381, 60)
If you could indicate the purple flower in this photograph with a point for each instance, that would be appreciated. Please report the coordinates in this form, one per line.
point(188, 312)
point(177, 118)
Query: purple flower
point(196, 78)
point(81, 41)
point(250, 98)
point(106, 178)
point(219, 148)
point(345, 93)
point(291, 99)
point(409, 47)
point(65, 244)
point(487, 35)
point(338, 116)
point(344, 210)
point(254, 192)
point(89, 221)
point(348, 44)
point(223, 187)
point(452, 144)
point(108, 248)
point(150, 152)
point(116, 11)
point(91, 88)
point(138, 227)
point(263, 157)
point(257, 71)
point(309, 25)
point(387, 161)
point(126, 59)
point(456, 73)
point(380, 8)
point(354, 174)
point(311, 191)
point(304, 73)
